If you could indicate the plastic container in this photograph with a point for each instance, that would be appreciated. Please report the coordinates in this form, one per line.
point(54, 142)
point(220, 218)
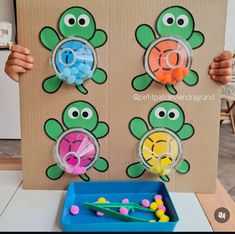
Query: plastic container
point(135, 191)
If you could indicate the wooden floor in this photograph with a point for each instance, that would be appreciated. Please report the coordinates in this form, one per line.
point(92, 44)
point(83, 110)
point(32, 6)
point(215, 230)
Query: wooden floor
point(226, 167)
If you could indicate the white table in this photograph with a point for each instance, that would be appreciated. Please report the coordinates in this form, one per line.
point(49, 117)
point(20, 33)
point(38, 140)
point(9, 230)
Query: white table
point(39, 210)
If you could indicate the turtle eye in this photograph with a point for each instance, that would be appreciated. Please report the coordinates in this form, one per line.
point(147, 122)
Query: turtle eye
point(168, 19)
point(70, 20)
point(73, 113)
point(160, 113)
point(87, 113)
point(182, 21)
point(83, 20)
point(173, 114)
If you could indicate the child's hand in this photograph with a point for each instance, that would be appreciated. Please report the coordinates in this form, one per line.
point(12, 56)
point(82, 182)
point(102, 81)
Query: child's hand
point(19, 61)
point(221, 68)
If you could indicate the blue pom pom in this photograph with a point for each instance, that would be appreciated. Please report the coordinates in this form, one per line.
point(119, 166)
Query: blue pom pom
point(71, 79)
point(74, 71)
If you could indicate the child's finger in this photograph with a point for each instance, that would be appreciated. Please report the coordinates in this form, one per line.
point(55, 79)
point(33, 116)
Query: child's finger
point(223, 64)
point(19, 63)
point(221, 72)
point(15, 69)
point(20, 49)
point(226, 55)
point(222, 79)
point(23, 57)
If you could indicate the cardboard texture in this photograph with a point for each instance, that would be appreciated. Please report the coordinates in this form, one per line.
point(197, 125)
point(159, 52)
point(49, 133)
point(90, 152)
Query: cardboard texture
point(122, 58)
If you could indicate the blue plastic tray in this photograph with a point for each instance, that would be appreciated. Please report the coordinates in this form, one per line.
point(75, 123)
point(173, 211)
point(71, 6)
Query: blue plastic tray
point(135, 191)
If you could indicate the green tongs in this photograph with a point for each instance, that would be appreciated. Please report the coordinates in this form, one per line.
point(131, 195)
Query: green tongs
point(105, 208)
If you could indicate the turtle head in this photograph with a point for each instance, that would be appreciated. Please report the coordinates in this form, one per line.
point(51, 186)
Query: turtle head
point(175, 21)
point(77, 21)
point(80, 114)
point(167, 115)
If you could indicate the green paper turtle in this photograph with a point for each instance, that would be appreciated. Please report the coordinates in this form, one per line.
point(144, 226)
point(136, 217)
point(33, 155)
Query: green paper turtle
point(174, 22)
point(82, 115)
point(78, 28)
point(166, 116)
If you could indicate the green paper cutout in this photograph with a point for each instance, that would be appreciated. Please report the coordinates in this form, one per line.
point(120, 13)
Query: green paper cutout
point(85, 177)
point(53, 129)
point(174, 21)
point(74, 22)
point(184, 167)
point(54, 172)
point(101, 165)
point(138, 127)
point(141, 82)
point(191, 79)
point(135, 170)
point(51, 84)
point(79, 114)
point(165, 115)
point(49, 38)
point(102, 130)
point(145, 35)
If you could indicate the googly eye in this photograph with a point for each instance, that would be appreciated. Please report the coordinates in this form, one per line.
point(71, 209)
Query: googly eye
point(173, 114)
point(160, 113)
point(70, 20)
point(83, 20)
point(73, 113)
point(182, 21)
point(87, 113)
point(168, 19)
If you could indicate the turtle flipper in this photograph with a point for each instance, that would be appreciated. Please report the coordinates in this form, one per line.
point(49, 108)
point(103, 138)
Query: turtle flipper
point(85, 177)
point(191, 79)
point(82, 89)
point(53, 129)
point(101, 130)
point(51, 84)
point(49, 38)
point(171, 89)
point(101, 164)
point(141, 82)
point(196, 40)
point(145, 35)
point(135, 170)
point(165, 178)
point(99, 38)
point(186, 132)
point(99, 76)
point(54, 172)
point(138, 127)
point(183, 167)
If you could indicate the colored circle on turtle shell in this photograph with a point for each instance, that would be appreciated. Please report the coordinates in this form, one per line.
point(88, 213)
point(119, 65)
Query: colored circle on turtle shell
point(160, 150)
point(78, 142)
point(168, 59)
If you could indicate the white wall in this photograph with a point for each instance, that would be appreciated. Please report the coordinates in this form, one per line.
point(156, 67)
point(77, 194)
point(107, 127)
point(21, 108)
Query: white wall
point(9, 90)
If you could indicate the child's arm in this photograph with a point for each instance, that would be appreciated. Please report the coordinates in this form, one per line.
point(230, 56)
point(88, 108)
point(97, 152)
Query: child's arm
point(19, 61)
point(221, 68)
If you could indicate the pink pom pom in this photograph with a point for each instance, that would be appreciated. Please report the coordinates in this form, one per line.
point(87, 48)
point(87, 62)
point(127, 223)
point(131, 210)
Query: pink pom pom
point(125, 200)
point(98, 213)
point(162, 208)
point(158, 197)
point(123, 210)
point(145, 203)
point(74, 210)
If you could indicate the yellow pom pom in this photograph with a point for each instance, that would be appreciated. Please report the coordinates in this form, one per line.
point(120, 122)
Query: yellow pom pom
point(159, 202)
point(159, 213)
point(164, 218)
point(153, 206)
point(152, 221)
point(101, 200)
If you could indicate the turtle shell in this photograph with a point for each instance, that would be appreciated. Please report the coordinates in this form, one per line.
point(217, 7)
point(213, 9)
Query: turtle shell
point(168, 59)
point(160, 151)
point(76, 151)
point(74, 57)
